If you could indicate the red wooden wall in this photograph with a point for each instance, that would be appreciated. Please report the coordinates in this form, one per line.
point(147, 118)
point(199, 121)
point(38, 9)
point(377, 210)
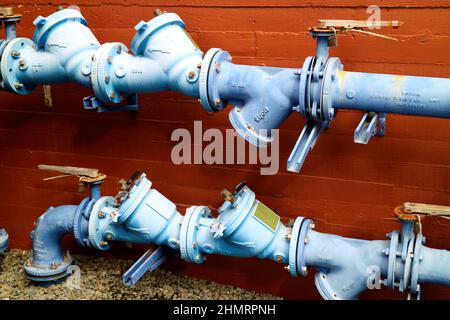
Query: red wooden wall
point(349, 189)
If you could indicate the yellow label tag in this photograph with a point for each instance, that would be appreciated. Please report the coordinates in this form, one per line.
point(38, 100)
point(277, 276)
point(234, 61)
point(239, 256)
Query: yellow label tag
point(267, 216)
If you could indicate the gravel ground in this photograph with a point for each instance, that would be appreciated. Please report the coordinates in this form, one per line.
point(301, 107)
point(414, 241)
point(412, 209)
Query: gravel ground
point(101, 278)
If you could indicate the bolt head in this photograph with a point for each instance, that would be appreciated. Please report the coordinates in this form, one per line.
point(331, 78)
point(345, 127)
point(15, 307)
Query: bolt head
point(191, 74)
point(218, 101)
point(287, 268)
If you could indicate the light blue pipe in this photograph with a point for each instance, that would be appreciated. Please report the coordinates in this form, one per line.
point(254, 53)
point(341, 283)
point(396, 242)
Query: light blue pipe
point(166, 58)
point(243, 227)
point(4, 240)
point(392, 94)
point(9, 24)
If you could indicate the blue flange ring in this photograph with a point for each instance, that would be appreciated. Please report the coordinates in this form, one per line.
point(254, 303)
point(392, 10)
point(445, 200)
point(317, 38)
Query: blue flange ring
point(102, 71)
point(301, 264)
point(48, 274)
point(9, 66)
point(293, 245)
point(390, 281)
point(329, 76)
point(45, 25)
point(104, 204)
point(414, 286)
point(81, 238)
point(209, 96)
point(304, 76)
point(146, 29)
point(189, 249)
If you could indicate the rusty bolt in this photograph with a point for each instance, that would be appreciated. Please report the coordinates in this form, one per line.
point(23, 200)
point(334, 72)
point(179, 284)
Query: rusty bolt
point(101, 214)
point(199, 65)
point(21, 63)
point(191, 74)
point(217, 67)
point(227, 195)
point(15, 54)
point(18, 85)
point(279, 259)
point(109, 236)
point(304, 271)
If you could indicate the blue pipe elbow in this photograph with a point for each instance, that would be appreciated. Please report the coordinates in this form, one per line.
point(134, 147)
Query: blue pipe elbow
point(4, 240)
point(48, 262)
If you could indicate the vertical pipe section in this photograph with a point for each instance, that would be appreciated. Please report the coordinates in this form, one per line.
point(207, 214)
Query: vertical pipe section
point(421, 96)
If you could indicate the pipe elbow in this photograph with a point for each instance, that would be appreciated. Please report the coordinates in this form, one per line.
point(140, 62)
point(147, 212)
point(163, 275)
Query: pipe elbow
point(48, 262)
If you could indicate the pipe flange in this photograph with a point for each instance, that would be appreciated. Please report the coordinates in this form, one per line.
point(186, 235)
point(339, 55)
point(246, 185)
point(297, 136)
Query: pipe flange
point(9, 66)
point(146, 29)
point(414, 286)
point(189, 249)
point(45, 25)
point(329, 77)
point(247, 132)
point(209, 94)
point(48, 274)
point(293, 246)
point(408, 265)
point(137, 192)
point(303, 89)
point(390, 281)
point(324, 288)
point(100, 216)
point(102, 71)
point(300, 265)
point(4, 240)
point(81, 237)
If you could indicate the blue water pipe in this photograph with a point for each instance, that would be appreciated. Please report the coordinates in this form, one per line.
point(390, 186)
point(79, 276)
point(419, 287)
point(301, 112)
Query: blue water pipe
point(242, 227)
point(8, 22)
point(166, 58)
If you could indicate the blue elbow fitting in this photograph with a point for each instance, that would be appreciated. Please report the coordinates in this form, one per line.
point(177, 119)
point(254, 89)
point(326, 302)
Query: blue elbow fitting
point(48, 262)
point(4, 240)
